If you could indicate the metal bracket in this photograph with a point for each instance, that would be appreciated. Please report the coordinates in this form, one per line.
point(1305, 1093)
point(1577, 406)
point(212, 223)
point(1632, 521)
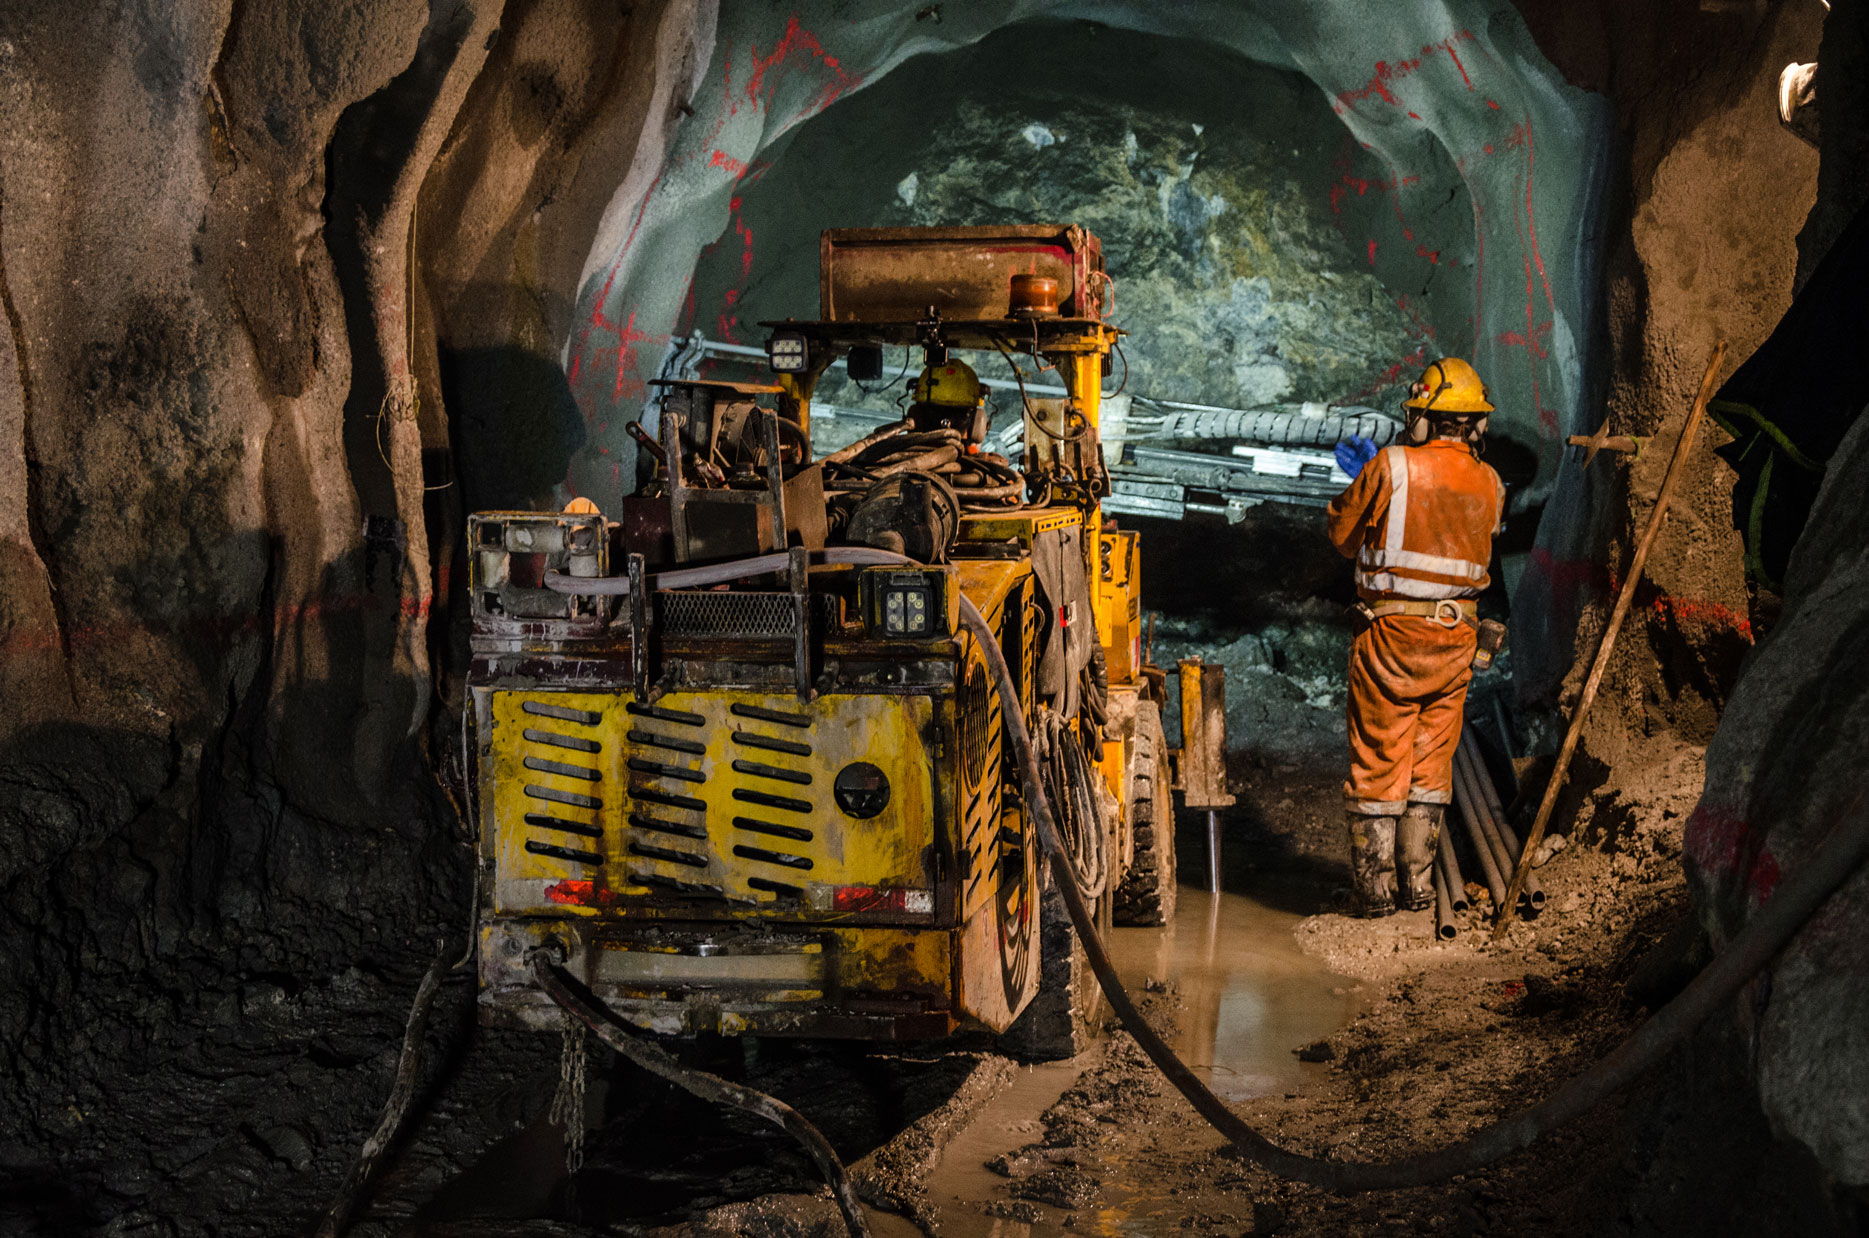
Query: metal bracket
point(797, 563)
point(638, 626)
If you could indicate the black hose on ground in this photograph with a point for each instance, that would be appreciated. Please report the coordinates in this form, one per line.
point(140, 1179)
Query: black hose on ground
point(336, 1220)
point(584, 1006)
point(1796, 899)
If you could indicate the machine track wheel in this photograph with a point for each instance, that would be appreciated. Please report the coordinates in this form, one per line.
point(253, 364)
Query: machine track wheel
point(1146, 894)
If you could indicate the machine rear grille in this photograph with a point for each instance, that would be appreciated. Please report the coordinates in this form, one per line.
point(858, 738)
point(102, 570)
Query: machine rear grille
point(662, 813)
point(708, 612)
point(555, 748)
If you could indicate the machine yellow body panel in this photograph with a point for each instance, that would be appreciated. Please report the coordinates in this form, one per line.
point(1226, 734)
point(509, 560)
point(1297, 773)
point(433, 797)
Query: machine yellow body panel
point(598, 802)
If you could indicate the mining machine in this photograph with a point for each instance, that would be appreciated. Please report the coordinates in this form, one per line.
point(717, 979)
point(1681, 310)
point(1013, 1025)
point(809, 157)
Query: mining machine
point(735, 759)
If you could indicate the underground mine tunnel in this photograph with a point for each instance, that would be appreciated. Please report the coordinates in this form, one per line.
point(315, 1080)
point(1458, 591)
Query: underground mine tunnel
point(705, 618)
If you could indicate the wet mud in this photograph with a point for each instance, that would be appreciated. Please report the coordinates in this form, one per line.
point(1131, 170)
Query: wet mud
point(1336, 1037)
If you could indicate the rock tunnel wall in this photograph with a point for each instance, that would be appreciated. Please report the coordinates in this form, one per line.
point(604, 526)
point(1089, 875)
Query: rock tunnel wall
point(1454, 106)
point(1217, 186)
point(1783, 769)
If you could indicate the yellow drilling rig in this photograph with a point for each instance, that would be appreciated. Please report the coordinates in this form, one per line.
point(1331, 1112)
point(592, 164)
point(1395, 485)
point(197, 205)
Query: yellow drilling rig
point(735, 759)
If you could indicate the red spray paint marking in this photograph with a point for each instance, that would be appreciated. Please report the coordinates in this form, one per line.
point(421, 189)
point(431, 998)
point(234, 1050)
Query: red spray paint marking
point(1715, 839)
point(1416, 322)
point(1571, 579)
point(1531, 221)
point(1386, 75)
point(797, 39)
point(746, 238)
point(760, 83)
point(627, 339)
point(1448, 47)
point(1726, 847)
point(1395, 373)
point(1528, 339)
point(1765, 876)
point(1362, 185)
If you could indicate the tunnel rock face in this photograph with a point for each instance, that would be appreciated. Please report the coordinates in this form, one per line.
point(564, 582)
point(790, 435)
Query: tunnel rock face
point(1701, 246)
point(1783, 770)
point(1207, 177)
point(1486, 161)
point(232, 453)
point(187, 603)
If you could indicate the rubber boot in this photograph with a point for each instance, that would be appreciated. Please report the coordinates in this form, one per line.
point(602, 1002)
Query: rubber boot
point(1416, 836)
point(1372, 865)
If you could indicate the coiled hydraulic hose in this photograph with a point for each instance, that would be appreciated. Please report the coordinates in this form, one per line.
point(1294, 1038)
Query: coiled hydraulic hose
point(1775, 923)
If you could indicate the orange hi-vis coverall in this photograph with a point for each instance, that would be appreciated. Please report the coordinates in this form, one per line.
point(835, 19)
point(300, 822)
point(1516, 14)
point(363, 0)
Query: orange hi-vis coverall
point(1419, 521)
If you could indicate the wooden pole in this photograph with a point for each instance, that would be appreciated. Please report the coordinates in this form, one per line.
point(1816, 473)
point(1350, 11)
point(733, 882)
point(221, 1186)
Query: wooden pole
point(1688, 433)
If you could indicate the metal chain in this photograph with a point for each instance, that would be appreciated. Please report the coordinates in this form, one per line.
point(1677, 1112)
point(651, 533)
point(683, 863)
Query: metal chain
point(568, 1103)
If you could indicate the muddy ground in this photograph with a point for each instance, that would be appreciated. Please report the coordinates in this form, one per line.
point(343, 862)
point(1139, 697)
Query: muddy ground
point(1442, 1038)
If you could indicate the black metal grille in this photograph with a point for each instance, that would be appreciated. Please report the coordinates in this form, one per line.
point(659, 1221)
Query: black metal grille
point(747, 615)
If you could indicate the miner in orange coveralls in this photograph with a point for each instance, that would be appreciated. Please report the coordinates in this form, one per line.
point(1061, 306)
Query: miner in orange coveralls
point(1419, 521)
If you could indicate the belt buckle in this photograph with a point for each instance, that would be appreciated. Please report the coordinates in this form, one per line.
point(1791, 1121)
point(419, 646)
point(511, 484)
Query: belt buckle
point(1447, 613)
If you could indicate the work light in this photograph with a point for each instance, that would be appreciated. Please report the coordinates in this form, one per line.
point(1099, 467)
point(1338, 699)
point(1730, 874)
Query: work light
point(908, 610)
point(787, 353)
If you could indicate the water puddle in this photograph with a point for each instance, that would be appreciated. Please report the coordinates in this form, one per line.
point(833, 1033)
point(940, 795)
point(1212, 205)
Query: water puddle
point(1249, 996)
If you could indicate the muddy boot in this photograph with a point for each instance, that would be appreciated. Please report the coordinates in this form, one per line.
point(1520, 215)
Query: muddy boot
point(1416, 836)
point(1372, 865)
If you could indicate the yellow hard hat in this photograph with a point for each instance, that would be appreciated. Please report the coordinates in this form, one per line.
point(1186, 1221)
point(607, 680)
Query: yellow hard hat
point(1449, 386)
point(952, 382)
point(580, 506)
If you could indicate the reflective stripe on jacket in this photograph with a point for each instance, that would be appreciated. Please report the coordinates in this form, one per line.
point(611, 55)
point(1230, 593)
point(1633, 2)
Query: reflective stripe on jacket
point(1419, 521)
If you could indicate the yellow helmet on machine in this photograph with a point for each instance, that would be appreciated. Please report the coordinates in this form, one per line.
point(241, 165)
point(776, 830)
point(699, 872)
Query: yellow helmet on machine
point(1449, 385)
point(952, 383)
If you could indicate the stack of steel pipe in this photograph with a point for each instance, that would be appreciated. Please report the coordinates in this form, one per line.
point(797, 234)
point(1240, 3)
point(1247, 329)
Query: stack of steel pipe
point(1490, 792)
point(1450, 891)
point(1493, 840)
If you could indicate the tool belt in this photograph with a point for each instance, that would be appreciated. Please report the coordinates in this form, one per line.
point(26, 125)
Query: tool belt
point(1448, 612)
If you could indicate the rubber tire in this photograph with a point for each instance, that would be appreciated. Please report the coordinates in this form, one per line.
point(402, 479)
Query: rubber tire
point(1146, 894)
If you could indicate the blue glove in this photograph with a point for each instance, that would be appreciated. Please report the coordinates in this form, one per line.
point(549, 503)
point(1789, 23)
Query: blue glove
point(1354, 452)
